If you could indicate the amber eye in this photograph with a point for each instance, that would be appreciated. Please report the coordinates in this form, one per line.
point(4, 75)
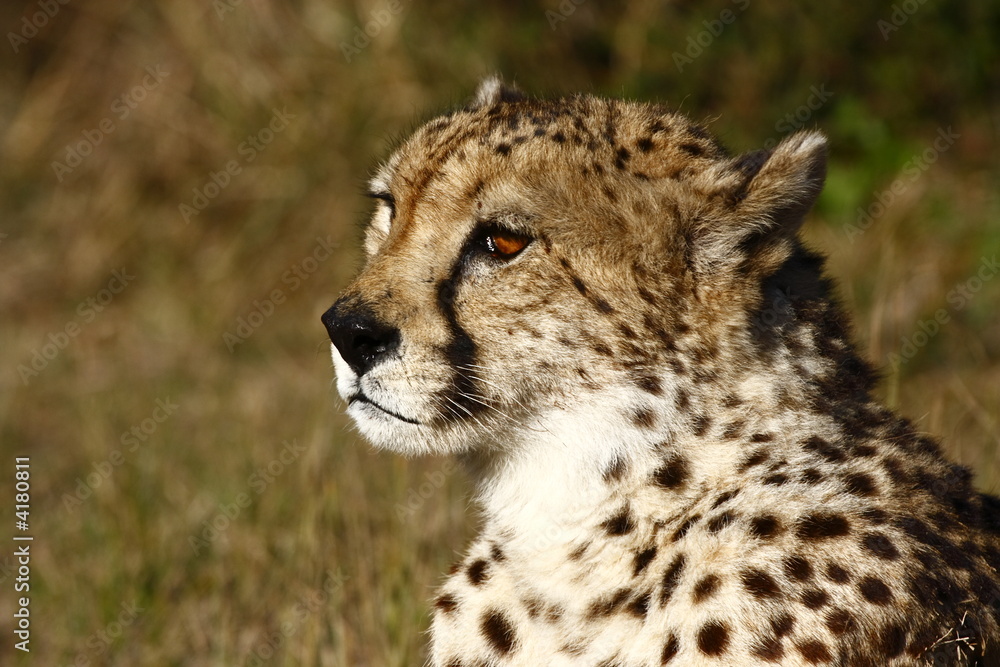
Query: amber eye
point(505, 245)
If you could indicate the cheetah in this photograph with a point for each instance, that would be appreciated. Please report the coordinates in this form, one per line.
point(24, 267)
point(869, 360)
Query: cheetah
point(614, 325)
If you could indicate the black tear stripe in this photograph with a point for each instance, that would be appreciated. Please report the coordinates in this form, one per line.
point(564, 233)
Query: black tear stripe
point(462, 398)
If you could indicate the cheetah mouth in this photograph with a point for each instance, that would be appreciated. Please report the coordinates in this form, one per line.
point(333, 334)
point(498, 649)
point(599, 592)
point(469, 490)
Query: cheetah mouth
point(361, 398)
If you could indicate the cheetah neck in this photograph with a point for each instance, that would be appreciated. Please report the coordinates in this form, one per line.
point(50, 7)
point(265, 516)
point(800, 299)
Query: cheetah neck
point(573, 468)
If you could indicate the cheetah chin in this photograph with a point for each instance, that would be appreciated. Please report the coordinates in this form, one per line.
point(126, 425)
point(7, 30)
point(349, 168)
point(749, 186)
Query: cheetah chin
point(614, 324)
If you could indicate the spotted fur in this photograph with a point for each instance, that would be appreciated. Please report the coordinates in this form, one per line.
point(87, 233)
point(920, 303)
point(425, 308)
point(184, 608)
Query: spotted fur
point(672, 437)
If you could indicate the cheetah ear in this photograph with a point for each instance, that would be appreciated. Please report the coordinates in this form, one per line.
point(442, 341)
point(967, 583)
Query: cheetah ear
point(765, 197)
point(493, 90)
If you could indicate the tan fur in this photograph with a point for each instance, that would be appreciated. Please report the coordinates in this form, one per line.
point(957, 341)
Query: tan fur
point(674, 442)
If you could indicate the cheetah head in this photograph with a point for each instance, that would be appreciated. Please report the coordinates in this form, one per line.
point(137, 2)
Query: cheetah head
point(541, 265)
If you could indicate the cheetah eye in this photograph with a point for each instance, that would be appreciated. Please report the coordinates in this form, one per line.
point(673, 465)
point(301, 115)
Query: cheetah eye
point(503, 244)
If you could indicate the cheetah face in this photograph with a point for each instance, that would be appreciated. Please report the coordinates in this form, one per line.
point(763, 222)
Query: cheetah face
point(530, 261)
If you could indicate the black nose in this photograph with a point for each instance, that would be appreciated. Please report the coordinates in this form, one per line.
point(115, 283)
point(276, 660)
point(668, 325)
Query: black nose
point(360, 337)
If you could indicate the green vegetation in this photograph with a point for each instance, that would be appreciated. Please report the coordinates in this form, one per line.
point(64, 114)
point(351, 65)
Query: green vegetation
point(197, 497)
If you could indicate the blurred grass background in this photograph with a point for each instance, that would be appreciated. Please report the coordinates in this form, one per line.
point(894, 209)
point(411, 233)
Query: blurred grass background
point(326, 554)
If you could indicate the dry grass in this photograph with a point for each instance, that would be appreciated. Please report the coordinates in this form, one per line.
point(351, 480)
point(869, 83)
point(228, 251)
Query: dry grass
point(319, 568)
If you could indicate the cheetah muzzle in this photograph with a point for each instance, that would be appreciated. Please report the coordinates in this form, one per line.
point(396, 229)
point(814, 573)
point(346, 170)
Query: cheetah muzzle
point(614, 325)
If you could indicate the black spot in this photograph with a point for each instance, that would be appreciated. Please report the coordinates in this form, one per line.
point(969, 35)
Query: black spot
point(839, 621)
point(769, 649)
point(724, 498)
point(619, 524)
point(875, 591)
point(577, 553)
point(502, 149)
point(608, 605)
point(717, 523)
point(446, 603)
point(615, 470)
point(497, 553)
point(859, 484)
point(642, 559)
point(477, 572)
point(797, 567)
point(705, 587)
point(533, 606)
point(682, 400)
point(621, 157)
point(765, 527)
point(732, 400)
point(812, 476)
point(837, 574)
point(603, 306)
point(821, 526)
point(761, 437)
point(875, 515)
point(602, 349)
point(498, 631)
point(755, 459)
point(645, 144)
point(814, 598)
point(578, 284)
point(639, 606)
point(700, 425)
point(782, 625)
point(671, 577)
point(895, 471)
point(759, 584)
point(880, 545)
point(649, 383)
point(670, 649)
point(692, 149)
point(733, 430)
point(814, 651)
point(864, 451)
point(559, 137)
point(683, 529)
point(823, 448)
point(673, 473)
point(776, 480)
point(892, 640)
point(713, 638)
point(644, 418)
